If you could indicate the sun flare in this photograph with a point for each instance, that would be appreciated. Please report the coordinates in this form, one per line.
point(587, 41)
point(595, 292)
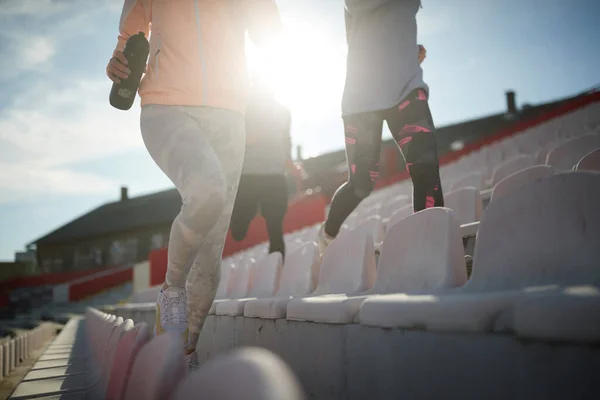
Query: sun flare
point(305, 69)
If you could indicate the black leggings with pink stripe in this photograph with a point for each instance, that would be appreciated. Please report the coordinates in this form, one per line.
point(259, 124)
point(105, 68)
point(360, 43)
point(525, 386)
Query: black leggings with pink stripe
point(412, 127)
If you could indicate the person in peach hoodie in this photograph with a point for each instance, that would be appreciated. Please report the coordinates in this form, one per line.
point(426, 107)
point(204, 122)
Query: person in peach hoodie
point(193, 97)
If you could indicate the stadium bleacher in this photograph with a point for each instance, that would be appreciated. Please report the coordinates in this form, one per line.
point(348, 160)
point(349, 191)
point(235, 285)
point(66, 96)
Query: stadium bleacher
point(390, 311)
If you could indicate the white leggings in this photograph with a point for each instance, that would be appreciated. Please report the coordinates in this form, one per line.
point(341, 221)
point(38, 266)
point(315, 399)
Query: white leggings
point(201, 149)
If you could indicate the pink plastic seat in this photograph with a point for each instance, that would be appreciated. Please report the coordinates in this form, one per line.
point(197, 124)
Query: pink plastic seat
point(127, 350)
point(247, 373)
point(157, 370)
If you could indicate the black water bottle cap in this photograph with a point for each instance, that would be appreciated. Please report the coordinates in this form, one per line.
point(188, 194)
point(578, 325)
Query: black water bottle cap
point(142, 34)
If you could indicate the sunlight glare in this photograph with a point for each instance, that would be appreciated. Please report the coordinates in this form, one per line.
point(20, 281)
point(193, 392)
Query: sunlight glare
point(305, 69)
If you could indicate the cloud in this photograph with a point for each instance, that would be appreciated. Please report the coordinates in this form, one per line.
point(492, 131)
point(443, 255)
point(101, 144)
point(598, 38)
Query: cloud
point(55, 125)
point(52, 118)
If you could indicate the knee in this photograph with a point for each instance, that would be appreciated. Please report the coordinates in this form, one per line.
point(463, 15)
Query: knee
point(423, 149)
point(204, 204)
point(361, 188)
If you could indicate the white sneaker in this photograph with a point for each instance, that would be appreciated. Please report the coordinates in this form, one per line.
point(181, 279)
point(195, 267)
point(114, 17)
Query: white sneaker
point(323, 240)
point(171, 313)
point(192, 360)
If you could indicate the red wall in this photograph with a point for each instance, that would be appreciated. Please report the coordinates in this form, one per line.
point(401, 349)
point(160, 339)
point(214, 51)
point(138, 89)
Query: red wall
point(95, 285)
point(46, 279)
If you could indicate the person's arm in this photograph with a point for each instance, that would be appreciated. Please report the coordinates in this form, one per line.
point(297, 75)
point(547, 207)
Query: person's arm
point(348, 21)
point(422, 53)
point(135, 17)
point(263, 22)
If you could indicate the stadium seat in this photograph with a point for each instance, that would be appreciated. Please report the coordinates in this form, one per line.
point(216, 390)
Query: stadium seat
point(421, 254)
point(473, 179)
point(239, 282)
point(246, 373)
point(394, 204)
point(127, 350)
point(521, 178)
point(348, 267)
point(466, 202)
point(374, 226)
point(570, 315)
point(511, 166)
point(542, 154)
point(565, 156)
point(265, 283)
point(399, 215)
point(368, 212)
point(589, 162)
point(516, 259)
point(299, 277)
point(146, 296)
point(57, 381)
point(157, 370)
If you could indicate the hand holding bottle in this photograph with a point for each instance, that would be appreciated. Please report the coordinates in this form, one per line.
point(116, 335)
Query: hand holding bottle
point(117, 70)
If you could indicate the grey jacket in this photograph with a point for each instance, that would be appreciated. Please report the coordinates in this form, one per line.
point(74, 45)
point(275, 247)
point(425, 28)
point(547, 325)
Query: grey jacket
point(268, 142)
point(383, 64)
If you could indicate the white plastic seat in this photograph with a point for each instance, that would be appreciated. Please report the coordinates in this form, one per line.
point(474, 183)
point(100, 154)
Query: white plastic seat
point(157, 370)
point(520, 179)
point(511, 166)
point(571, 314)
point(565, 156)
point(238, 284)
point(374, 226)
point(424, 253)
point(589, 162)
point(299, 277)
point(473, 179)
point(368, 211)
point(542, 154)
point(246, 373)
point(399, 215)
point(394, 204)
point(532, 242)
point(223, 288)
point(146, 296)
point(467, 204)
point(265, 283)
point(348, 267)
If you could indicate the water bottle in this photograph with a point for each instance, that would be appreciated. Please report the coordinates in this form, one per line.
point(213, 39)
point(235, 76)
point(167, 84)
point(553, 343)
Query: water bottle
point(136, 52)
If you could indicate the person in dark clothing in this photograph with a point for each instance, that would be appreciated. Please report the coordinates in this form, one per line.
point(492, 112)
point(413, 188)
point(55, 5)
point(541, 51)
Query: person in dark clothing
point(384, 82)
point(263, 186)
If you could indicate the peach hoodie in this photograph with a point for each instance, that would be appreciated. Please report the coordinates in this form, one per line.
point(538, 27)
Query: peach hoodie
point(197, 49)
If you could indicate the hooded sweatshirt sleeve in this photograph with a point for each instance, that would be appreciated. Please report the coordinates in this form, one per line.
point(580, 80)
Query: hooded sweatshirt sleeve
point(135, 17)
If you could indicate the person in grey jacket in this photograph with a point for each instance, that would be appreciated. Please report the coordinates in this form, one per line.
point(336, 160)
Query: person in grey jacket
point(384, 82)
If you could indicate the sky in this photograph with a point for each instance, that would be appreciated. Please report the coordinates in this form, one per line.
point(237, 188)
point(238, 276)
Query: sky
point(64, 150)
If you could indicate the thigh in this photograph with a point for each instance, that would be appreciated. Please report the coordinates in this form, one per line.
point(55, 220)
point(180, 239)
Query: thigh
point(181, 149)
point(412, 126)
point(363, 146)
